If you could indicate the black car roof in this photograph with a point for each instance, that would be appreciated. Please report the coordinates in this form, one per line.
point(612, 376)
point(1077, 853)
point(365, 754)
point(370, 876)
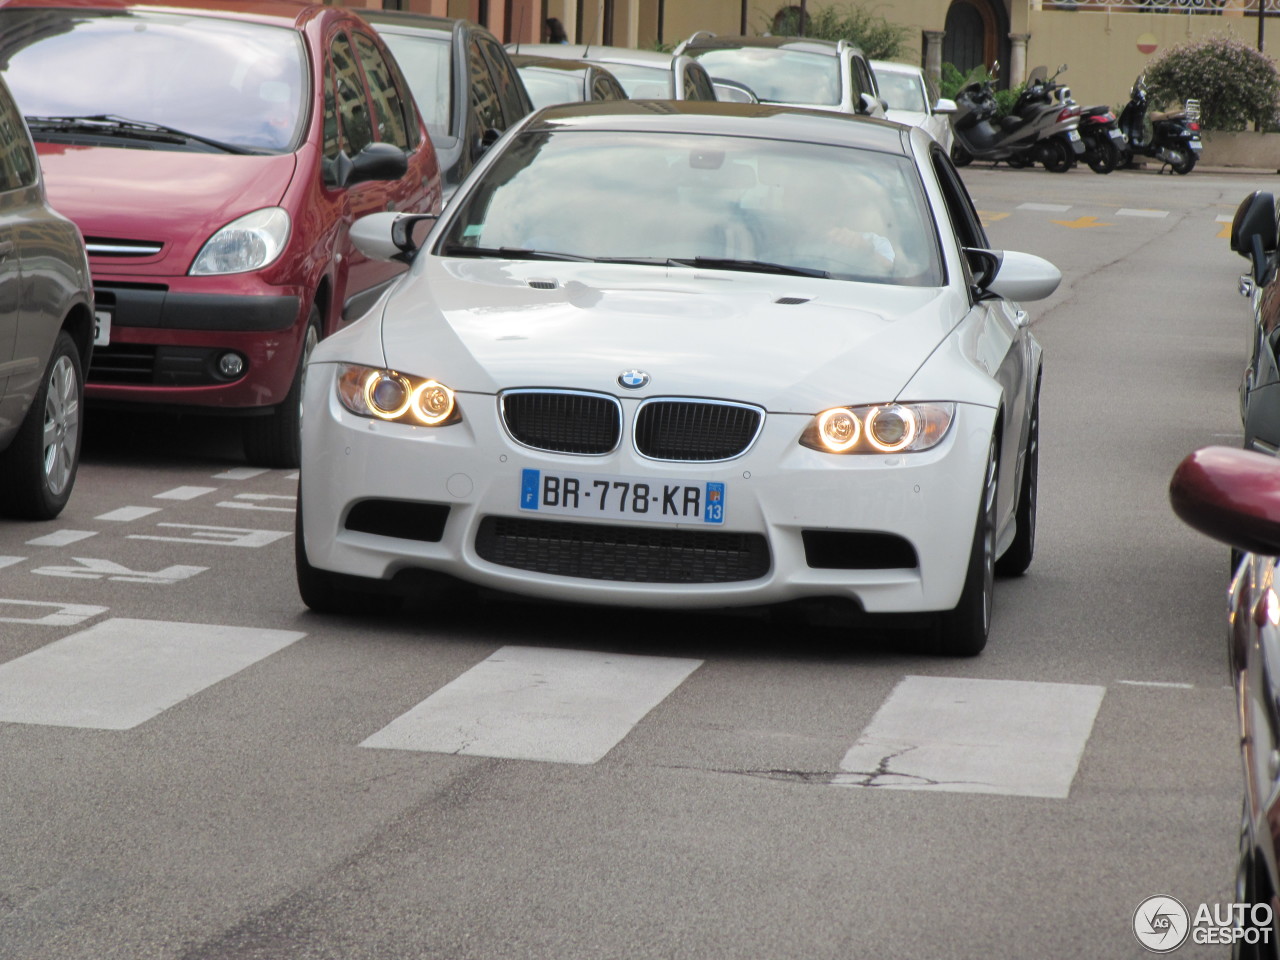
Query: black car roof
point(769, 121)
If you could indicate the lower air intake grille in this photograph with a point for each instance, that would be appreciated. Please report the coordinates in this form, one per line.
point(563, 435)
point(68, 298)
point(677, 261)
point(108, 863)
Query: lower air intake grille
point(695, 430)
point(562, 421)
point(631, 554)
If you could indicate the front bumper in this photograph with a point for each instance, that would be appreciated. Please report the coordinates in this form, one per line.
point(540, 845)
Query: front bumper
point(462, 476)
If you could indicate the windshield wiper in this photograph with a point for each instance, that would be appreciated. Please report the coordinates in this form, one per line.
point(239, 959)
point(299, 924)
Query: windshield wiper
point(112, 126)
point(755, 266)
point(508, 253)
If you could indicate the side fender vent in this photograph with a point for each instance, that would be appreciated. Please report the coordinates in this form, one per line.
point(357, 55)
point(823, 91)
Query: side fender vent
point(792, 301)
point(543, 284)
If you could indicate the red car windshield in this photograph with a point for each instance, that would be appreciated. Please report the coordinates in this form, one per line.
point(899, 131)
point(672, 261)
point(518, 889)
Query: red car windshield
point(222, 81)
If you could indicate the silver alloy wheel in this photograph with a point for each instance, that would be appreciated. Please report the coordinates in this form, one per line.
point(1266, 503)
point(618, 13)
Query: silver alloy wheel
point(989, 539)
point(61, 439)
point(309, 341)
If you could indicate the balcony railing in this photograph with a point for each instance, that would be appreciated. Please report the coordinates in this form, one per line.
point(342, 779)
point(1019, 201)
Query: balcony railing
point(1230, 8)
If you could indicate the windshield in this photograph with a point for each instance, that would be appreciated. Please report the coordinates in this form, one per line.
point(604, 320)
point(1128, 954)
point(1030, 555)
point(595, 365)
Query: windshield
point(549, 87)
point(242, 84)
point(901, 91)
point(642, 83)
point(776, 75)
point(426, 65)
point(730, 202)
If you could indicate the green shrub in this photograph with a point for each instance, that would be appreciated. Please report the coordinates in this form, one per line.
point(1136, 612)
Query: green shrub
point(953, 81)
point(874, 35)
point(1235, 84)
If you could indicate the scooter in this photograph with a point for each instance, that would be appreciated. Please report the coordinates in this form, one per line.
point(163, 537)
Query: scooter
point(1174, 138)
point(1104, 143)
point(1039, 130)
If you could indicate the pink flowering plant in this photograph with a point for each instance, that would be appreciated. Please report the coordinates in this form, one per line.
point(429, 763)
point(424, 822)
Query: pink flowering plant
point(1235, 84)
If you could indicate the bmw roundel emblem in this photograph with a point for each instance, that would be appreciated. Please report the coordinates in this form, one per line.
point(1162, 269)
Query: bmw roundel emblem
point(633, 378)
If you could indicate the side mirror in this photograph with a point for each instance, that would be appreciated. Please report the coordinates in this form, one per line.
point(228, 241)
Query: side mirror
point(388, 235)
point(945, 106)
point(1012, 275)
point(1254, 231)
point(1231, 495)
point(731, 91)
point(867, 104)
point(377, 161)
point(487, 139)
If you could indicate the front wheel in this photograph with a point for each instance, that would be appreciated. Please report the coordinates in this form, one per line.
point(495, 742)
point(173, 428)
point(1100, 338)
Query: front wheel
point(1057, 157)
point(326, 592)
point(960, 156)
point(1015, 561)
point(38, 469)
point(962, 631)
point(275, 440)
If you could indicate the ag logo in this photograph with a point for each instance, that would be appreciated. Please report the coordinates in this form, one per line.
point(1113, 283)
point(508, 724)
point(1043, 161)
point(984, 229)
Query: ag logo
point(633, 378)
point(1161, 924)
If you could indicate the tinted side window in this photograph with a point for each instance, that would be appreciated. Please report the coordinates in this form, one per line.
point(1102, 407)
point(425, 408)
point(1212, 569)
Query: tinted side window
point(697, 84)
point(484, 94)
point(505, 80)
point(388, 107)
point(17, 165)
point(865, 78)
point(332, 130)
point(604, 88)
point(353, 110)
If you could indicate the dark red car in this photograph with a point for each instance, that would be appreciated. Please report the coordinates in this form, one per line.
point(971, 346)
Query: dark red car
point(214, 155)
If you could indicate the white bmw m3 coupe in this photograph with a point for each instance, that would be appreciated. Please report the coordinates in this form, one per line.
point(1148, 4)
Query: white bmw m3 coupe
point(685, 355)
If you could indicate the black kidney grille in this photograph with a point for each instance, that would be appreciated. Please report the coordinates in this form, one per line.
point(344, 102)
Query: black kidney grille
point(695, 430)
point(632, 554)
point(563, 422)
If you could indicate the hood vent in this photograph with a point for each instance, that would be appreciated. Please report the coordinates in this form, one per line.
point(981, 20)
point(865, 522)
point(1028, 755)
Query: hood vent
point(792, 301)
point(107, 247)
point(543, 284)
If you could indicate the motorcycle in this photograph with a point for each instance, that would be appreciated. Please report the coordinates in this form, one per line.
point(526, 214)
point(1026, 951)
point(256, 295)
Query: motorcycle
point(1099, 129)
point(1040, 129)
point(1174, 138)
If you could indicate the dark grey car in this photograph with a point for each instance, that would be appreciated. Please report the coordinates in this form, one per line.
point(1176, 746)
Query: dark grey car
point(463, 80)
point(46, 333)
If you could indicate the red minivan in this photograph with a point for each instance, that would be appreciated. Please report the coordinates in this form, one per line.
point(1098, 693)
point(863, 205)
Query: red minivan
point(214, 155)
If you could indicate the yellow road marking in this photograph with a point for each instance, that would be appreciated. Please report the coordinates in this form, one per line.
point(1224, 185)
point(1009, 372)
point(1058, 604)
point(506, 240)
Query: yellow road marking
point(1082, 223)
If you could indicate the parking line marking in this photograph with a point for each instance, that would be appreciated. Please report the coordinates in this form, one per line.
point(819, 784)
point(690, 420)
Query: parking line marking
point(184, 493)
point(60, 538)
point(120, 673)
point(125, 514)
point(61, 615)
point(531, 703)
point(1158, 683)
point(240, 473)
point(10, 561)
point(975, 736)
point(1047, 207)
point(1137, 212)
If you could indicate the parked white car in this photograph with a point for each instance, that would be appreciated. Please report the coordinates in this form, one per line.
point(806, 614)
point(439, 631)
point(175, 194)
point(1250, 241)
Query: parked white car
point(704, 356)
point(912, 100)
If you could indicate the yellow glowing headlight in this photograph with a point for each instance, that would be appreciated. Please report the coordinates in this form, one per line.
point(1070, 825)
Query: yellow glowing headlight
point(396, 397)
point(879, 428)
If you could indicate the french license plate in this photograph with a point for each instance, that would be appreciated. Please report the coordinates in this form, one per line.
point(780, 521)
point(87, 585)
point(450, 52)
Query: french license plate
point(1073, 134)
point(1195, 145)
point(1115, 134)
point(101, 328)
point(622, 498)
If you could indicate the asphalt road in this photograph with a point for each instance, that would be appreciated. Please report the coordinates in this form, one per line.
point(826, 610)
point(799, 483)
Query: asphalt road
point(193, 766)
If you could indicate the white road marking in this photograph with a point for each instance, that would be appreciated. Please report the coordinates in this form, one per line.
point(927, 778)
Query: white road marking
point(184, 493)
point(1225, 218)
point(124, 514)
point(63, 615)
point(221, 536)
point(120, 673)
point(91, 569)
point(975, 736)
point(1047, 207)
point(240, 473)
point(10, 561)
point(530, 703)
point(239, 504)
point(1136, 212)
point(61, 538)
point(1157, 683)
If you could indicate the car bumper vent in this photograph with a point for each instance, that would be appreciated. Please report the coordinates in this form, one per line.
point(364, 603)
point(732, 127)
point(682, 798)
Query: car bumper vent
point(399, 518)
point(144, 364)
point(851, 550)
point(563, 421)
point(629, 554)
point(695, 430)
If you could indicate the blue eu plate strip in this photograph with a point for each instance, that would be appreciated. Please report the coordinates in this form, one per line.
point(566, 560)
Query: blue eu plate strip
point(530, 482)
point(713, 505)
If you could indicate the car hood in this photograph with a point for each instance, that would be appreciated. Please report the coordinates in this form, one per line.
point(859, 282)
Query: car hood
point(486, 325)
point(911, 118)
point(175, 198)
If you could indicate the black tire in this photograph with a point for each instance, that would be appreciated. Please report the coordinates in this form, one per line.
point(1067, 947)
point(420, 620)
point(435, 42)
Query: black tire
point(960, 156)
point(1104, 158)
point(1058, 158)
point(275, 439)
point(1185, 166)
point(326, 592)
point(962, 631)
point(1015, 561)
point(1252, 886)
point(1018, 162)
point(38, 469)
